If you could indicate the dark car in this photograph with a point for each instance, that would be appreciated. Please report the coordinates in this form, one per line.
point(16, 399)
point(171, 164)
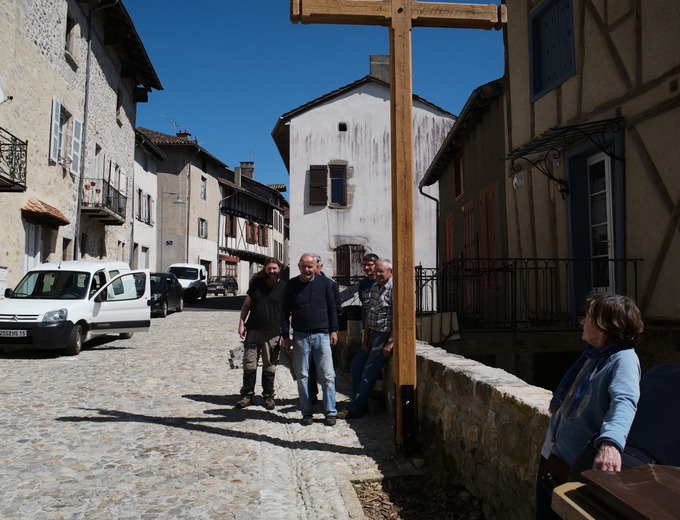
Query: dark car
point(166, 294)
point(222, 285)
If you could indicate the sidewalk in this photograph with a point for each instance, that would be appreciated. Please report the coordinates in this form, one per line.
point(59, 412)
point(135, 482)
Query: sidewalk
point(147, 428)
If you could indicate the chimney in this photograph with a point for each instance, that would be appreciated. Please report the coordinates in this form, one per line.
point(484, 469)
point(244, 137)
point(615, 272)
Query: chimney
point(237, 176)
point(380, 67)
point(184, 134)
point(248, 169)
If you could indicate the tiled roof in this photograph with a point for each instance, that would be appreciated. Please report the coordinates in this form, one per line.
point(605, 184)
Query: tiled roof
point(161, 138)
point(43, 213)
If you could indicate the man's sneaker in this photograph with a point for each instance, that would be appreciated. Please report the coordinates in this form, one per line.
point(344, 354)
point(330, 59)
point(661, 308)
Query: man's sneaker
point(245, 401)
point(269, 403)
point(330, 420)
point(307, 420)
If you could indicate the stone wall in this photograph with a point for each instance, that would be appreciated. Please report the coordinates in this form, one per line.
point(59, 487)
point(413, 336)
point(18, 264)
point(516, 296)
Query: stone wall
point(480, 427)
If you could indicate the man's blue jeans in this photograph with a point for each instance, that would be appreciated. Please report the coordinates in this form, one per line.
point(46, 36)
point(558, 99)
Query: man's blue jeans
point(366, 367)
point(308, 345)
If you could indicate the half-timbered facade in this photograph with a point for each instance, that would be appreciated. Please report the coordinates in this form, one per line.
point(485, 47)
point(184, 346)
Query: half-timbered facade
point(593, 90)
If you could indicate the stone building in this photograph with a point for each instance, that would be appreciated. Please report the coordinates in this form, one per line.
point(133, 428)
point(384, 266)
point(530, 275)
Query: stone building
point(253, 226)
point(67, 118)
point(209, 214)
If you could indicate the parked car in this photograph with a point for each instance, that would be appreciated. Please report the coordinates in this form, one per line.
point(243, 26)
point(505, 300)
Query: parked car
point(61, 305)
point(166, 294)
point(193, 279)
point(222, 285)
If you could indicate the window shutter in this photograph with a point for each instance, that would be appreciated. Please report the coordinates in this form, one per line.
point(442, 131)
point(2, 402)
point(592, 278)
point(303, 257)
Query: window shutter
point(76, 147)
point(266, 236)
point(122, 183)
point(318, 181)
point(144, 209)
point(55, 138)
point(227, 225)
point(249, 232)
point(152, 217)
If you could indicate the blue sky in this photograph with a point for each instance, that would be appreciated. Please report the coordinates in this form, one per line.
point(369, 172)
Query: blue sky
point(231, 68)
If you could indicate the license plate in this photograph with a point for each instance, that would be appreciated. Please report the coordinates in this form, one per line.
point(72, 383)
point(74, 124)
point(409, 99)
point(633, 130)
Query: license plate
point(13, 333)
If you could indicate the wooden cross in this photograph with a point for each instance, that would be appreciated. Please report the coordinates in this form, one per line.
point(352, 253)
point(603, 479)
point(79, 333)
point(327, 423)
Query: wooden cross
point(400, 16)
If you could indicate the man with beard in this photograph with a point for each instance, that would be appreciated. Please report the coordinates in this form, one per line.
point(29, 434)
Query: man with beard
point(263, 308)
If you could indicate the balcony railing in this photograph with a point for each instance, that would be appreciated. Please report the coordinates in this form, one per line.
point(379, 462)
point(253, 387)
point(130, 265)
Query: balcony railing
point(519, 294)
point(103, 202)
point(13, 154)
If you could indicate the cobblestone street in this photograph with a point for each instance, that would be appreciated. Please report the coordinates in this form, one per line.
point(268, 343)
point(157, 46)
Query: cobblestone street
point(147, 428)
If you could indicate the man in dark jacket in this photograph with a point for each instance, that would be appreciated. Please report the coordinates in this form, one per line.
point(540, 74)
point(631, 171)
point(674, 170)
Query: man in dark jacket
point(310, 304)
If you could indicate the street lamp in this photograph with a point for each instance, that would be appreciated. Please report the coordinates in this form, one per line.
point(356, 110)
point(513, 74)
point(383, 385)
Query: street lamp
point(178, 200)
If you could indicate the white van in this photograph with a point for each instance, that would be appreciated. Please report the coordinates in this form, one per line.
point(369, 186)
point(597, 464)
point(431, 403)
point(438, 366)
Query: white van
point(194, 280)
point(61, 305)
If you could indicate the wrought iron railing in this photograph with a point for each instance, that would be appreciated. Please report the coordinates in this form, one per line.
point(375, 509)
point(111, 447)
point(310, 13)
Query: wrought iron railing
point(519, 294)
point(99, 193)
point(13, 154)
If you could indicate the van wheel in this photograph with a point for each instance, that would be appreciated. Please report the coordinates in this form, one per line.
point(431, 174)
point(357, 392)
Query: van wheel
point(164, 309)
point(75, 341)
point(205, 295)
point(180, 307)
point(125, 335)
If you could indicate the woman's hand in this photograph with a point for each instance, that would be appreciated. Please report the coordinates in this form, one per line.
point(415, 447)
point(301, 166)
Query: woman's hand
point(607, 458)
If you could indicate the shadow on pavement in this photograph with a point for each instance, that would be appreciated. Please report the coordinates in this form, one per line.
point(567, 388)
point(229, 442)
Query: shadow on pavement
point(200, 424)
point(211, 303)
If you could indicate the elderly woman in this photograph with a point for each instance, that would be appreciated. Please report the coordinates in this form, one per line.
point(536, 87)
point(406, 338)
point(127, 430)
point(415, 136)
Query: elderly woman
point(594, 405)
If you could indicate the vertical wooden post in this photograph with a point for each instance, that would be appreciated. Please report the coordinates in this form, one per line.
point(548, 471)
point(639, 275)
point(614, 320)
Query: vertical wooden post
point(403, 240)
point(400, 16)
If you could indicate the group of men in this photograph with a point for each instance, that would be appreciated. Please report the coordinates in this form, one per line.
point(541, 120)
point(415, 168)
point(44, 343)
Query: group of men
point(309, 305)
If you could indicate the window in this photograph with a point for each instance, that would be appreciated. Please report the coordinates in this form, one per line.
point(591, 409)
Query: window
point(318, 185)
point(139, 211)
point(71, 39)
point(204, 188)
point(202, 228)
point(98, 163)
point(342, 127)
point(230, 226)
point(551, 42)
point(339, 185)
point(119, 107)
point(348, 264)
point(58, 137)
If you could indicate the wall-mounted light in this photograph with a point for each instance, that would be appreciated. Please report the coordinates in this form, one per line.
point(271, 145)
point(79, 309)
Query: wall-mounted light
point(518, 181)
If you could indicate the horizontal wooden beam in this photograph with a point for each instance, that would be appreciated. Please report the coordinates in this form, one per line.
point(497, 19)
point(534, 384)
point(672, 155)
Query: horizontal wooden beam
point(379, 12)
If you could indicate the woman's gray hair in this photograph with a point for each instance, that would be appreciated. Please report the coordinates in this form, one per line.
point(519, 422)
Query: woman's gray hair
point(617, 316)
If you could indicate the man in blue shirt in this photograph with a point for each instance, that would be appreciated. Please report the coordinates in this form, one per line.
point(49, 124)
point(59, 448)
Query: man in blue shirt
point(310, 304)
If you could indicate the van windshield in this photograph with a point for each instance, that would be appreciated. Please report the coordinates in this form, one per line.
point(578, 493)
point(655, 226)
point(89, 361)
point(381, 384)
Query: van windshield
point(53, 285)
point(184, 273)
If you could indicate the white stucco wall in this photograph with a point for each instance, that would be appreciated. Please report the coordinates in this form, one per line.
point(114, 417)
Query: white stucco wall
point(144, 233)
point(365, 146)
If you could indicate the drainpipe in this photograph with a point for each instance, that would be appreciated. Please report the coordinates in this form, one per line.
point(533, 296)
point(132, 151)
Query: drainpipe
point(81, 181)
point(436, 242)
